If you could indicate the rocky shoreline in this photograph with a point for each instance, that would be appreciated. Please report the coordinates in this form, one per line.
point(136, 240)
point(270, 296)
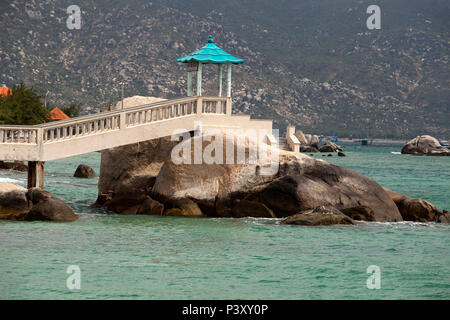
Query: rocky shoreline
point(142, 179)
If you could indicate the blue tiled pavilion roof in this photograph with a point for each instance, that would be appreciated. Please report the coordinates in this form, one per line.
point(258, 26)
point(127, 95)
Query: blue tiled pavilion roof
point(210, 54)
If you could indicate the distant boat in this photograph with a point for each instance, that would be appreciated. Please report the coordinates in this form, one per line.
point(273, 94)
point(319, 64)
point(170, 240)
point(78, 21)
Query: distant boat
point(444, 143)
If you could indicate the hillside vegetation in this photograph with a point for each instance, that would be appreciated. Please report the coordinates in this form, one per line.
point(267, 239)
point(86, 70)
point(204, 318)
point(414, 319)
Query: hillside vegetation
point(312, 63)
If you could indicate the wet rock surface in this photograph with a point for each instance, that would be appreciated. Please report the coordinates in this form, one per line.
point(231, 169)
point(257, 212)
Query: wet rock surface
point(18, 203)
point(321, 216)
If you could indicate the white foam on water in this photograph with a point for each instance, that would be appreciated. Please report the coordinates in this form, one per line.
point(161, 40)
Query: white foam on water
point(9, 180)
point(395, 152)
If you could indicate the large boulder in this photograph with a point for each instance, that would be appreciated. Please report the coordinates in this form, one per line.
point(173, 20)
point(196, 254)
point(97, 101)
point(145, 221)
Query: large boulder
point(46, 206)
point(320, 216)
point(18, 203)
point(127, 175)
point(132, 168)
point(413, 209)
point(301, 183)
point(425, 145)
point(84, 171)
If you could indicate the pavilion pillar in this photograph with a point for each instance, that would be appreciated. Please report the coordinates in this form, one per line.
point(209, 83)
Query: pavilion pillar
point(189, 84)
point(35, 174)
point(219, 78)
point(228, 80)
point(199, 79)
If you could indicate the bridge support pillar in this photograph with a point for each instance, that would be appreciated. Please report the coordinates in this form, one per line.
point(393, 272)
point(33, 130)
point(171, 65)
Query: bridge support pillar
point(35, 174)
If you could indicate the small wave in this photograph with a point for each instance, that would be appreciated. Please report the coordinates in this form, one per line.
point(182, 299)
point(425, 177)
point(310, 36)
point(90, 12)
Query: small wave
point(262, 221)
point(402, 224)
point(9, 180)
point(395, 152)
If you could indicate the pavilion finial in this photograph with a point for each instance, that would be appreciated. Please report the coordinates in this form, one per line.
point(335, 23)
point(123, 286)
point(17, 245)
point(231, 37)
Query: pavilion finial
point(210, 39)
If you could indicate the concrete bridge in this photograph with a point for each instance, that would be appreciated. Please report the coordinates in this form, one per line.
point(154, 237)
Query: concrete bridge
point(60, 139)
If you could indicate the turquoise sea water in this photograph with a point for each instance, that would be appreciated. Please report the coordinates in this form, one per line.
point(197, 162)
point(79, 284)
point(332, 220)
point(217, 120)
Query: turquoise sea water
point(147, 257)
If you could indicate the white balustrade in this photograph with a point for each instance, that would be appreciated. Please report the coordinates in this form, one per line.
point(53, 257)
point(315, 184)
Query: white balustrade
point(102, 123)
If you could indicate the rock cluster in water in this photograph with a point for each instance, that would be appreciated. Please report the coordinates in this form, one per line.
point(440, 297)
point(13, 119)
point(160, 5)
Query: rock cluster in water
point(18, 203)
point(14, 165)
point(310, 143)
point(425, 145)
point(142, 179)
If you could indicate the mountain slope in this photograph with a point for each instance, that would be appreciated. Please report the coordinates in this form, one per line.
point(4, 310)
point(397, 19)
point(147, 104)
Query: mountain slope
point(310, 63)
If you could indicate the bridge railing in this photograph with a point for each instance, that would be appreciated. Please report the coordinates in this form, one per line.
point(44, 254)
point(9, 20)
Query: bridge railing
point(214, 105)
point(169, 110)
point(112, 120)
point(18, 134)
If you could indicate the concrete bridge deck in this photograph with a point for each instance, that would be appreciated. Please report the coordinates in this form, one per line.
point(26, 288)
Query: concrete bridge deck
point(60, 139)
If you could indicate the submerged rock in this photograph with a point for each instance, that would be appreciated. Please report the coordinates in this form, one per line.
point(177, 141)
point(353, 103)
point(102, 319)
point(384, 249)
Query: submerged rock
point(425, 145)
point(18, 203)
point(84, 171)
point(318, 217)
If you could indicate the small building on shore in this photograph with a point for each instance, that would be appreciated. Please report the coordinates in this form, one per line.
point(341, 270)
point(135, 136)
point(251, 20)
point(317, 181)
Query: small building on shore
point(58, 114)
point(5, 91)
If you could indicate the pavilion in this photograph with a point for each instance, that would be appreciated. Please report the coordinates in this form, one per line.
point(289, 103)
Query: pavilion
point(209, 54)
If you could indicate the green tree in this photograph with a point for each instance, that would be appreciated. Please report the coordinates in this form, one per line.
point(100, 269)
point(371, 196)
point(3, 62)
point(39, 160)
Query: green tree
point(23, 107)
point(73, 110)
